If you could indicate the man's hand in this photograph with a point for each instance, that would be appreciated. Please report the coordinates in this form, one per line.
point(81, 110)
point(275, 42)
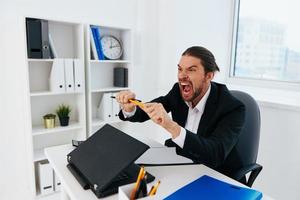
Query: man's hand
point(158, 114)
point(123, 99)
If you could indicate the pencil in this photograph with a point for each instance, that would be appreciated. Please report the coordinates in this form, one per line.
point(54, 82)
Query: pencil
point(154, 189)
point(138, 180)
point(113, 97)
point(137, 103)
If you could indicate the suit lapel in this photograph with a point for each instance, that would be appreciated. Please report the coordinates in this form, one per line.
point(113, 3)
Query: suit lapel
point(182, 117)
point(209, 110)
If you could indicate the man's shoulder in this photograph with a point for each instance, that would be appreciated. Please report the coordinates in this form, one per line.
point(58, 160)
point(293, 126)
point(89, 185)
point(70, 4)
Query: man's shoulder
point(224, 95)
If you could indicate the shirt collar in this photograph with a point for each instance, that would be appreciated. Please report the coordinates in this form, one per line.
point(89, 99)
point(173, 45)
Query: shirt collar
point(201, 104)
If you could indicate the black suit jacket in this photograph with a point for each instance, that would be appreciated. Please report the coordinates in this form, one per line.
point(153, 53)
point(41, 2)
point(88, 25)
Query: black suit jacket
point(218, 131)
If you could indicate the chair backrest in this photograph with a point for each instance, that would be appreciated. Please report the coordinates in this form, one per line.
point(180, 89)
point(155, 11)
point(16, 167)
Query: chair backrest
point(247, 146)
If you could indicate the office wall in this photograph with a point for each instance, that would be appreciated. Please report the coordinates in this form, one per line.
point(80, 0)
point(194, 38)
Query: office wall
point(146, 62)
point(185, 23)
point(188, 23)
point(278, 152)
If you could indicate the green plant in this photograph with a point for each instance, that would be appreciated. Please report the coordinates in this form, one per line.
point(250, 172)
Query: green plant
point(63, 111)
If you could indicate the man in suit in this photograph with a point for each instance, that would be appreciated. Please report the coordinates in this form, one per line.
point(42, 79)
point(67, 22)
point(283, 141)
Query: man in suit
point(206, 119)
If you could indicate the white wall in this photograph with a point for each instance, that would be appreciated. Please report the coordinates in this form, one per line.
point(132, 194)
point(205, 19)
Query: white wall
point(278, 152)
point(188, 23)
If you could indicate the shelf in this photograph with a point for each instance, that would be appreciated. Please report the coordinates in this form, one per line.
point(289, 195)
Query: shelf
point(39, 60)
point(40, 130)
point(110, 89)
point(39, 155)
point(109, 61)
point(99, 122)
point(48, 93)
point(56, 195)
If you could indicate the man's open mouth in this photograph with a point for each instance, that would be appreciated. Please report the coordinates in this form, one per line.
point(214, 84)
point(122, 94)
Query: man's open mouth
point(186, 88)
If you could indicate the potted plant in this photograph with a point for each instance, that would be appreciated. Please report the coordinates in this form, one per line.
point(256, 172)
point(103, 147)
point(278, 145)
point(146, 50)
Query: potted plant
point(49, 120)
point(63, 112)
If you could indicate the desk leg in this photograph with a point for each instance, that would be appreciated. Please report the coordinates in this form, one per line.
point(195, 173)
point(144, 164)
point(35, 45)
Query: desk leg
point(63, 194)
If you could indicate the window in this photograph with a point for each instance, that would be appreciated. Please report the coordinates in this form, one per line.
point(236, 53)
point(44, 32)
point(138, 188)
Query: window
point(267, 40)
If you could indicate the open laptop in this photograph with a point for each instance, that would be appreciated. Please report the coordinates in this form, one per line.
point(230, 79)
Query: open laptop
point(105, 161)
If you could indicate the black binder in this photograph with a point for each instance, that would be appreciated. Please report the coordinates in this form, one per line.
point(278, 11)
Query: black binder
point(37, 38)
point(105, 161)
point(120, 77)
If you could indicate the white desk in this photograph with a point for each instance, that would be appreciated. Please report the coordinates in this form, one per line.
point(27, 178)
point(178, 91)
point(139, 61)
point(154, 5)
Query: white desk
point(172, 177)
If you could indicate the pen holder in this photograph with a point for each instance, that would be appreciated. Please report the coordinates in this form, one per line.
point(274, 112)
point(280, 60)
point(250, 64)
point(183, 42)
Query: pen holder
point(125, 191)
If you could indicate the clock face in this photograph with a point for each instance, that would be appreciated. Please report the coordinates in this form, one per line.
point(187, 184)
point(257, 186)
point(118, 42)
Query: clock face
point(112, 48)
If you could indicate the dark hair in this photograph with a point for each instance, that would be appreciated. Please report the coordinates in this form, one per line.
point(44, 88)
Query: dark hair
point(207, 59)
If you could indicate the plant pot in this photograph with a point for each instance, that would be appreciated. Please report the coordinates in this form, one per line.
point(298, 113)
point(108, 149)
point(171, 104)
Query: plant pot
point(64, 121)
point(49, 122)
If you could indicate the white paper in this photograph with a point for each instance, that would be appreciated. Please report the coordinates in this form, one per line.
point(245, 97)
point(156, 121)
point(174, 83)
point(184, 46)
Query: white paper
point(161, 156)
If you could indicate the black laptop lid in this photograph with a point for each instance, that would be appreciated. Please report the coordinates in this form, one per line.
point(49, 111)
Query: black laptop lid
point(105, 154)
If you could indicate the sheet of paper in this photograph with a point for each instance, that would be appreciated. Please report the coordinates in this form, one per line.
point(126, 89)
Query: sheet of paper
point(162, 156)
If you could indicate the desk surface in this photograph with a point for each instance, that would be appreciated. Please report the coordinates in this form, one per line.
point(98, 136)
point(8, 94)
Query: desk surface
point(172, 177)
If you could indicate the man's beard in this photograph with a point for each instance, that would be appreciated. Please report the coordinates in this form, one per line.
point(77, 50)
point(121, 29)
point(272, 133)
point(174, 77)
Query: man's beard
point(196, 94)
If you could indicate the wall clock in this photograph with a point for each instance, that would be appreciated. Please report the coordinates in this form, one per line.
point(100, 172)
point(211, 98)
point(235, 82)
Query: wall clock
point(112, 47)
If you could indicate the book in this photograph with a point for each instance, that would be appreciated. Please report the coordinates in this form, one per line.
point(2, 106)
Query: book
point(97, 39)
point(98, 33)
point(207, 187)
point(94, 54)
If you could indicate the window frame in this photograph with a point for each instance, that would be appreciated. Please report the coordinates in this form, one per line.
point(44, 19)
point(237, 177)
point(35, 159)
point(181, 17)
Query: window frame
point(249, 81)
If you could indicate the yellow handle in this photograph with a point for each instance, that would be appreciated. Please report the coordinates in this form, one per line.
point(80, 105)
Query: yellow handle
point(137, 103)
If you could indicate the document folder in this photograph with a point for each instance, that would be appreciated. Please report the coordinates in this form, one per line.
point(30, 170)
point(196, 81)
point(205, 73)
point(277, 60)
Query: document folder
point(57, 76)
point(78, 75)
point(37, 38)
point(105, 161)
point(69, 75)
point(207, 187)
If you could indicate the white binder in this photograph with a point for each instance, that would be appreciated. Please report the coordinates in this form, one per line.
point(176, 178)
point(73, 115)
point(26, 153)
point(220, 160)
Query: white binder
point(105, 107)
point(115, 107)
point(69, 75)
point(57, 76)
point(45, 178)
point(78, 75)
point(57, 183)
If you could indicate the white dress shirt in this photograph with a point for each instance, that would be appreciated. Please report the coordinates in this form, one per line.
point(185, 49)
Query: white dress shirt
point(193, 118)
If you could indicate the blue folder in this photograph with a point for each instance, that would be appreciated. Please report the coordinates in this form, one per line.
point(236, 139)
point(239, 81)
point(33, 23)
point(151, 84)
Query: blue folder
point(207, 187)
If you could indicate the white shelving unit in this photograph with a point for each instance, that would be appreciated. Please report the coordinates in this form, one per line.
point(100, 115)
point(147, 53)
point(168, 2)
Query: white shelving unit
point(68, 40)
point(99, 74)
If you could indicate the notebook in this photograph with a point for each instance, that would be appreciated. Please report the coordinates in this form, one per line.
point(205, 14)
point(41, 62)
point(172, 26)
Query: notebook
point(207, 187)
point(105, 161)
